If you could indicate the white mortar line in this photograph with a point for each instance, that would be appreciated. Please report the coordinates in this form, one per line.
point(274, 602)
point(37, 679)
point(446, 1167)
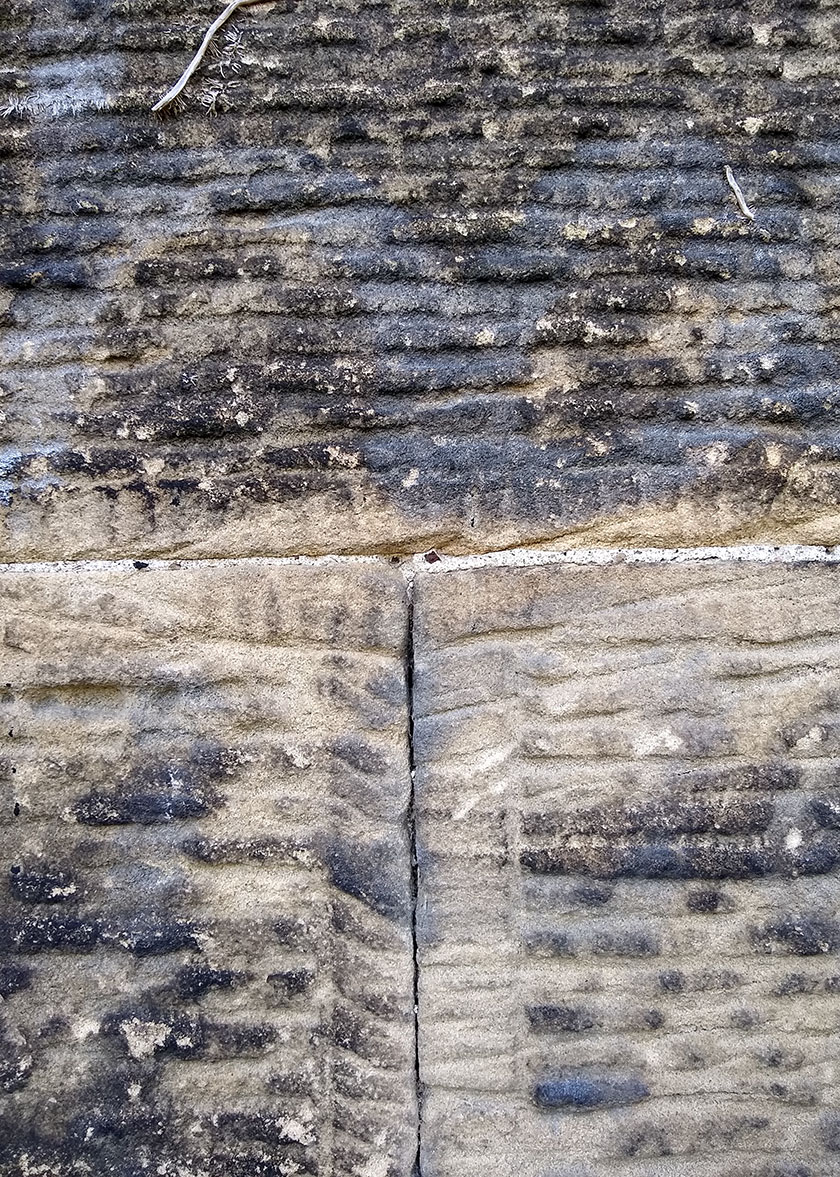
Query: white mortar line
point(140, 563)
point(419, 562)
point(533, 557)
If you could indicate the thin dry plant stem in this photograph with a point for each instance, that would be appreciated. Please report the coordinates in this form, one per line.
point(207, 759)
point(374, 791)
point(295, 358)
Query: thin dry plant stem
point(739, 196)
point(220, 20)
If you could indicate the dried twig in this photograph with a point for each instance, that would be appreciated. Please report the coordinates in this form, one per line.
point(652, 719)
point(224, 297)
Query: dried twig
point(196, 61)
point(739, 196)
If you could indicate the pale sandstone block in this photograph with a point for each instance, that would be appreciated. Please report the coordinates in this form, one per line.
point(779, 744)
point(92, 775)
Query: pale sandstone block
point(205, 922)
point(628, 812)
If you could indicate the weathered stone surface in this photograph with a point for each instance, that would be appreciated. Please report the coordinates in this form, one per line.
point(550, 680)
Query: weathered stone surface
point(205, 908)
point(414, 272)
point(628, 814)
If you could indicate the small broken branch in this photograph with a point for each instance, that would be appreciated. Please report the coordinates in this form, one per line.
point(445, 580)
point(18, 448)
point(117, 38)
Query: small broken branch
point(220, 20)
point(739, 196)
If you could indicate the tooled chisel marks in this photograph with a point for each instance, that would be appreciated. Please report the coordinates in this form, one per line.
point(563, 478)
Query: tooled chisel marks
point(420, 282)
point(206, 946)
point(627, 813)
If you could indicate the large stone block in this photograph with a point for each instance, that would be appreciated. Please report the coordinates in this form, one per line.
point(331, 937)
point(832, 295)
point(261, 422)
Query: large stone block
point(628, 815)
point(205, 904)
point(413, 273)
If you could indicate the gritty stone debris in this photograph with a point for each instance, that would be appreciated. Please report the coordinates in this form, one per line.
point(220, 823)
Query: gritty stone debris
point(206, 961)
point(398, 276)
point(627, 820)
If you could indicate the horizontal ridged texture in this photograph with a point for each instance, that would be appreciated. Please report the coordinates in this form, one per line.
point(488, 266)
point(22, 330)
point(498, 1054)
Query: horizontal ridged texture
point(402, 273)
point(628, 811)
point(206, 958)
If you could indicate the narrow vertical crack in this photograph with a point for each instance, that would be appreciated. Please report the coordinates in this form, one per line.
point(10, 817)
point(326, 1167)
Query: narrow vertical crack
point(412, 834)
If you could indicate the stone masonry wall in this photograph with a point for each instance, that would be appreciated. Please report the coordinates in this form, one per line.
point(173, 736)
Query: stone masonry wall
point(419, 589)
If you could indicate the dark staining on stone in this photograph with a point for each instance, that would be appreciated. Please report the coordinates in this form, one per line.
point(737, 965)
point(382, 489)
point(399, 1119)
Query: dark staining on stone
point(152, 935)
point(805, 934)
point(771, 777)
point(744, 1019)
point(102, 1131)
point(291, 983)
point(292, 931)
point(705, 901)
point(672, 981)
point(585, 1094)
point(14, 978)
point(826, 811)
point(353, 1080)
point(474, 238)
point(142, 935)
point(592, 894)
point(359, 754)
point(730, 1131)
point(41, 933)
point(168, 791)
point(195, 979)
point(555, 1019)
point(55, 1027)
point(42, 883)
point(830, 1132)
point(795, 984)
point(257, 1143)
point(816, 857)
point(246, 1126)
point(714, 980)
point(239, 850)
point(646, 1141)
point(625, 942)
point(361, 1036)
point(686, 858)
point(686, 837)
point(671, 816)
point(239, 1040)
point(146, 1027)
point(370, 873)
point(548, 942)
point(389, 1007)
point(778, 1058)
point(115, 1117)
point(284, 1160)
point(690, 1058)
point(16, 1062)
point(67, 275)
point(292, 1083)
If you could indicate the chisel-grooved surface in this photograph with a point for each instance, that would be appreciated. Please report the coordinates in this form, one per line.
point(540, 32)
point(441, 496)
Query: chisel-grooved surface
point(628, 805)
point(414, 272)
point(205, 911)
